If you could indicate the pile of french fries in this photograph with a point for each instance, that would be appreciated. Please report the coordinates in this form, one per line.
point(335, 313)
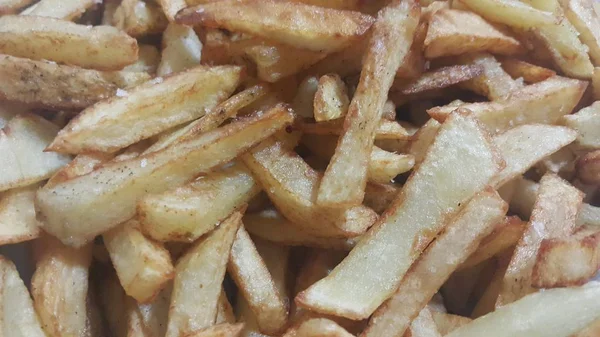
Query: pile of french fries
point(299, 168)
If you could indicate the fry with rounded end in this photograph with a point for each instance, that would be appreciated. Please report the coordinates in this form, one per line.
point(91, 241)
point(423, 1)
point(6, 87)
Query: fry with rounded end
point(17, 215)
point(331, 99)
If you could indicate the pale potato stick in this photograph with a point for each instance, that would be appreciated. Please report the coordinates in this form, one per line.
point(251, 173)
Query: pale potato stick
point(303, 103)
point(364, 280)
point(380, 196)
point(59, 287)
point(148, 60)
point(523, 146)
point(36, 37)
point(144, 267)
point(439, 79)
point(172, 7)
point(385, 130)
point(547, 221)
point(317, 327)
point(78, 219)
point(60, 9)
point(512, 13)
point(447, 323)
point(291, 185)
point(188, 212)
point(150, 319)
point(22, 143)
point(299, 25)
point(434, 266)
point(17, 215)
point(582, 16)
point(331, 98)
point(138, 18)
point(554, 312)
point(12, 6)
point(543, 102)
point(224, 310)
point(454, 32)
point(181, 49)
point(586, 121)
point(414, 63)
point(271, 226)
point(423, 325)
point(18, 317)
point(150, 108)
point(219, 330)
point(505, 235)
point(420, 141)
point(530, 73)
point(494, 82)
point(277, 260)
point(49, 85)
point(198, 278)
point(567, 261)
point(254, 281)
point(343, 183)
point(524, 197)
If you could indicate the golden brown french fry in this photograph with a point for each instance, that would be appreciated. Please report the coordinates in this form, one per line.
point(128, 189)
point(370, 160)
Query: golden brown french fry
point(138, 18)
point(291, 185)
point(344, 181)
point(331, 98)
point(116, 194)
point(36, 37)
point(447, 323)
point(582, 16)
point(188, 212)
point(586, 122)
point(254, 281)
point(59, 287)
point(439, 79)
point(17, 215)
point(198, 278)
point(423, 325)
point(144, 267)
point(148, 60)
point(530, 73)
point(102, 127)
point(363, 280)
point(432, 269)
point(295, 24)
point(315, 327)
point(181, 49)
point(454, 32)
point(60, 9)
point(44, 84)
point(219, 330)
point(172, 7)
point(494, 82)
point(12, 6)
point(386, 129)
point(554, 312)
point(554, 215)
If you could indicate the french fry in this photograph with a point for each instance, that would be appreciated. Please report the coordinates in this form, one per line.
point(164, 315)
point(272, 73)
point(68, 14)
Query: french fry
point(59, 287)
point(54, 86)
point(36, 37)
point(253, 279)
point(148, 60)
point(176, 99)
point(22, 142)
point(188, 212)
point(589, 331)
point(291, 185)
point(12, 6)
point(494, 82)
point(344, 181)
point(337, 4)
point(399, 235)
point(582, 16)
point(181, 49)
point(447, 323)
point(585, 122)
point(303, 103)
point(150, 319)
point(414, 63)
point(430, 271)
point(547, 221)
point(295, 24)
point(345, 62)
point(420, 141)
point(386, 130)
point(530, 73)
point(224, 310)
point(554, 312)
point(201, 270)
point(17, 215)
point(246, 316)
point(314, 327)
point(379, 196)
point(423, 325)
point(138, 18)
point(65, 10)
point(115, 181)
point(219, 330)
point(172, 7)
point(144, 267)
point(439, 79)
point(454, 32)
point(543, 102)
point(487, 300)
point(331, 98)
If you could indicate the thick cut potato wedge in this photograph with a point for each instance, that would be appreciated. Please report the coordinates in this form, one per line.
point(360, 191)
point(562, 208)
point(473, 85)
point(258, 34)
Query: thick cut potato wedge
point(76, 216)
point(331, 98)
point(198, 278)
point(219, 330)
point(315, 327)
point(186, 213)
point(364, 280)
point(181, 49)
point(36, 37)
point(18, 317)
point(582, 16)
point(291, 185)
point(586, 122)
point(59, 287)
point(554, 312)
point(138, 18)
point(12, 6)
point(344, 181)
point(454, 32)
point(299, 25)
point(144, 267)
point(49, 85)
point(432, 269)
point(530, 73)
point(254, 281)
point(17, 215)
point(59, 9)
point(494, 82)
point(147, 110)
point(22, 143)
point(554, 215)
point(543, 102)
